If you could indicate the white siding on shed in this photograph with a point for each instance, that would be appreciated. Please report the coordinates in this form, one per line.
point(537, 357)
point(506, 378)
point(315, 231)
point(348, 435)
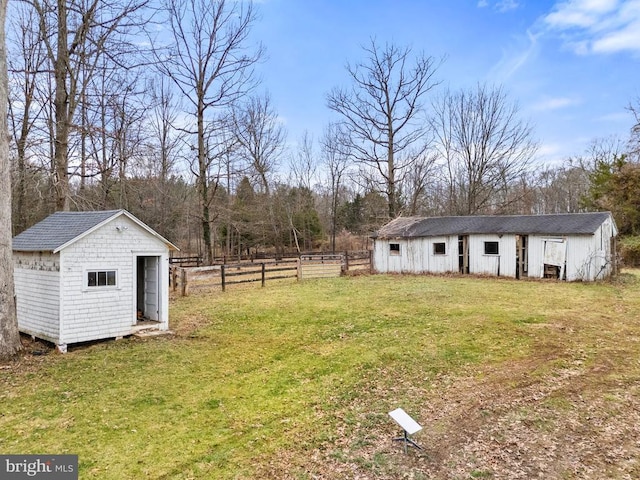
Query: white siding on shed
point(589, 257)
point(37, 283)
point(503, 264)
point(443, 263)
point(581, 244)
point(416, 255)
point(90, 313)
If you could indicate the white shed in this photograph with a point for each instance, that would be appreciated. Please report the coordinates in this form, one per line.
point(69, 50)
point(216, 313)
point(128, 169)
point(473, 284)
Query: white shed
point(572, 246)
point(83, 276)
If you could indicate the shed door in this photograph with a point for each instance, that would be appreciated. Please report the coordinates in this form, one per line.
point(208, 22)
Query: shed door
point(555, 255)
point(463, 253)
point(149, 287)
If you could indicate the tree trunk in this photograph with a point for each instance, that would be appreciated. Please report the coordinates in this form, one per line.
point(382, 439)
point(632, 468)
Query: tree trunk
point(9, 336)
point(391, 178)
point(62, 117)
point(203, 183)
point(21, 192)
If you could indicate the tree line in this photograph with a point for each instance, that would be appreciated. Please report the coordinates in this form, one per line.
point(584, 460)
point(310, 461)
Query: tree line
point(155, 107)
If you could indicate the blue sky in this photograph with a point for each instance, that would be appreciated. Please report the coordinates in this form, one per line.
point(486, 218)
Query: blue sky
point(572, 66)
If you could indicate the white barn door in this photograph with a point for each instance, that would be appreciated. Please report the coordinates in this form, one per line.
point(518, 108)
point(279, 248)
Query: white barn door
point(555, 254)
point(148, 288)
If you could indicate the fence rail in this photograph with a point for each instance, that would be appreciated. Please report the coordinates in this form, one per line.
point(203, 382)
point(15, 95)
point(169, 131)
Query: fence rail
point(306, 266)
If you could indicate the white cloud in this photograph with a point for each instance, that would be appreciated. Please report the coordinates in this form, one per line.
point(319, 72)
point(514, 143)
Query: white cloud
point(597, 26)
point(550, 149)
point(507, 5)
point(555, 103)
point(501, 5)
point(616, 117)
point(627, 39)
point(514, 59)
point(580, 13)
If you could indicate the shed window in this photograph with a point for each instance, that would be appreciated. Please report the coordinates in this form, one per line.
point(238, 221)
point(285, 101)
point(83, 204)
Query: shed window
point(439, 248)
point(394, 249)
point(491, 248)
point(101, 278)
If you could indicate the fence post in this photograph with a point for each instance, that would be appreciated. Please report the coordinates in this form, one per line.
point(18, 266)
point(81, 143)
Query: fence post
point(346, 261)
point(183, 282)
point(299, 272)
point(370, 261)
point(174, 279)
point(263, 274)
point(224, 282)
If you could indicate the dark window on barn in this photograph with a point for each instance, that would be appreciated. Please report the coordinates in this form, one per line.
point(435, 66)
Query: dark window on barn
point(491, 248)
point(439, 248)
point(394, 249)
point(101, 278)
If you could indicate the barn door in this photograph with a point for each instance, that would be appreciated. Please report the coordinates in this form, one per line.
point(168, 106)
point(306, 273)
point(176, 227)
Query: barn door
point(555, 254)
point(148, 288)
point(151, 288)
point(463, 254)
point(522, 256)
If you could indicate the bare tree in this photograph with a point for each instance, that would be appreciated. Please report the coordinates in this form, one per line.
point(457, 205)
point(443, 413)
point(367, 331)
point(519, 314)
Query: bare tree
point(210, 63)
point(76, 35)
point(165, 137)
point(634, 140)
point(560, 189)
point(163, 147)
point(9, 337)
point(260, 136)
point(485, 147)
point(303, 163)
point(335, 149)
point(383, 113)
point(25, 63)
point(419, 181)
point(261, 139)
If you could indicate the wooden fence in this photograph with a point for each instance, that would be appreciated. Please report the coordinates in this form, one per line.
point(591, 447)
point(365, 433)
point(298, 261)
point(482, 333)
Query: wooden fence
point(320, 266)
point(193, 260)
point(186, 279)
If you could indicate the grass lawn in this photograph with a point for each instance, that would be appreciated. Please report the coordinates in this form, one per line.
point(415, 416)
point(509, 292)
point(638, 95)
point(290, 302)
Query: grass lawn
point(510, 379)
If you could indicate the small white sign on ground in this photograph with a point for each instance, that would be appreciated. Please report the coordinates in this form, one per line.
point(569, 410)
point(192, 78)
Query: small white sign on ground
point(408, 424)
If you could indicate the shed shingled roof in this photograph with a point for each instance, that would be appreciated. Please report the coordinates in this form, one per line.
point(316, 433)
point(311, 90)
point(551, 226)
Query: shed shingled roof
point(61, 228)
point(557, 224)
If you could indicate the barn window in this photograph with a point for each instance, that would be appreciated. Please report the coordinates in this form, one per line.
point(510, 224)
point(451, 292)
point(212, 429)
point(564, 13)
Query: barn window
point(394, 249)
point(439, 248)
point(101, 278)
point(491, 248)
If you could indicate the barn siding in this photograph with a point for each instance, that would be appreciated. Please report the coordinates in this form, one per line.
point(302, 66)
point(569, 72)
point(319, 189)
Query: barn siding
point(503, 264)
point(385, 262)
point(414, 259)
point(442, 263)
point(37, 284)
point(589, 257)
point(584, 257)
point(416, 255)
point(105, 312)
point(536, 254)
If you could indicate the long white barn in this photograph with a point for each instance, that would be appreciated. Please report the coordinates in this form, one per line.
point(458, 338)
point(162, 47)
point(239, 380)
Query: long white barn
point(84, 276)
point(572, 246)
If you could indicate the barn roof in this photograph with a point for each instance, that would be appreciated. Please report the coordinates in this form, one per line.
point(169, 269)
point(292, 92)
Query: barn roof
point(558, 224)
point(63, 228)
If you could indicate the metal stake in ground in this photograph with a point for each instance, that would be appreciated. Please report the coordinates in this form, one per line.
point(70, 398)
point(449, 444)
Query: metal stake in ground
point(409, 427)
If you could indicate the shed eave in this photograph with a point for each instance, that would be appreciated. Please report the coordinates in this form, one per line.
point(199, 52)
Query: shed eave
point(31, 250)
point(142, 225)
